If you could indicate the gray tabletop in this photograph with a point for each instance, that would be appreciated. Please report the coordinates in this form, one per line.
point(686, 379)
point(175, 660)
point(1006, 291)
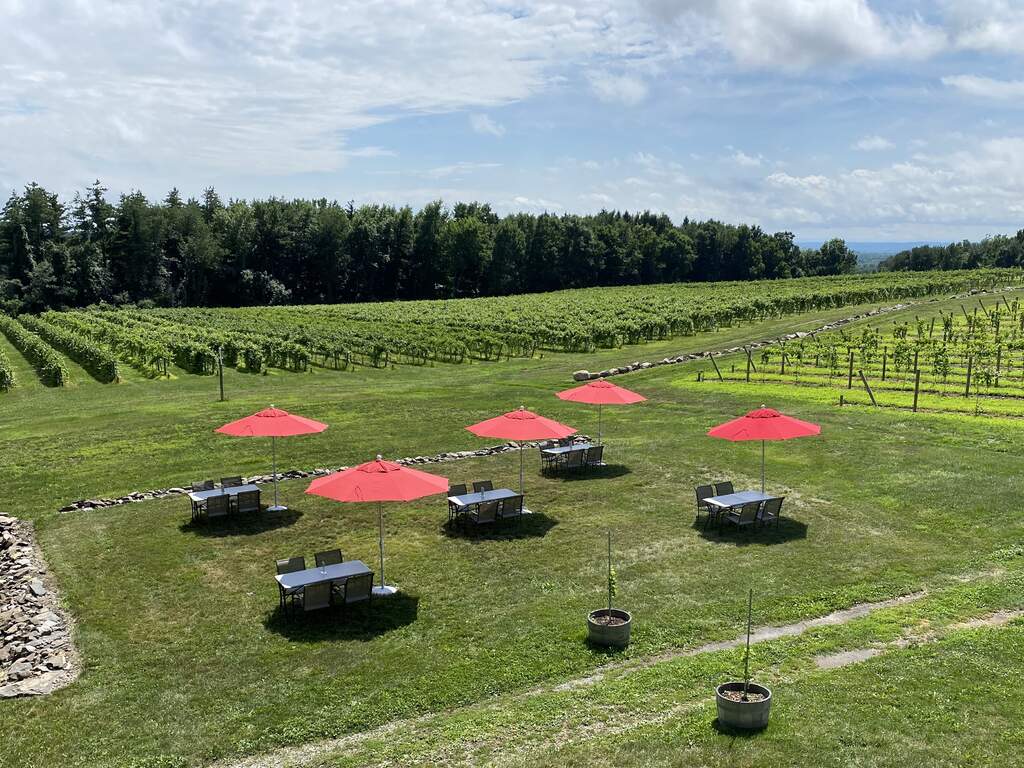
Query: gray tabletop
point(559, 450)
point(233, 491)
point(337, 572)
point(469, 499)
point(740, 497)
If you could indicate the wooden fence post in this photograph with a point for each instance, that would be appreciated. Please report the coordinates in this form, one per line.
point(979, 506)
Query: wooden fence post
point(917, 386)
point(716, 367)
point(970, 364)
point(849, 377)
point(885, 356)
point(931, 328)
point(749, 363)
point(868, 388)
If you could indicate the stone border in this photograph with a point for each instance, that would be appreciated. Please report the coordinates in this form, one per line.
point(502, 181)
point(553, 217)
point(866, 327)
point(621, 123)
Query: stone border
point(296, 474)
point(583, 375)
point(37, 653)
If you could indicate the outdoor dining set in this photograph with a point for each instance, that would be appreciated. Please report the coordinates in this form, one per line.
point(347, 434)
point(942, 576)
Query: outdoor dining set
point(566, 455)
point(232, 497)
point(485, 504)
point(336, 582)
point(720, 503)
point(332, 582)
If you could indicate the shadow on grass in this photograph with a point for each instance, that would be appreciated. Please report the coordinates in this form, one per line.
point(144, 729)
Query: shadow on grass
point(358, 622)
point(534, 525)
point(607, 472)
point(736, 733)
point(787, 529)
point(238, 525)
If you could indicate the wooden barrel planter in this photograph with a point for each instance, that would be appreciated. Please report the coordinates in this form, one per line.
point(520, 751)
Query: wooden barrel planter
point(748, 715)
point(615, 634)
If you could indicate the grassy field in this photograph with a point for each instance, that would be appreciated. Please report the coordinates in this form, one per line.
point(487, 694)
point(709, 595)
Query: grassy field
point(481, 659)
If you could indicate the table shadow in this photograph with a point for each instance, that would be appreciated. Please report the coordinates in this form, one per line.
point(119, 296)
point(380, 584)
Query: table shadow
point(362, 622)
point(607, 472)
point(787, 529)
point(239, 525)
point(534, 525)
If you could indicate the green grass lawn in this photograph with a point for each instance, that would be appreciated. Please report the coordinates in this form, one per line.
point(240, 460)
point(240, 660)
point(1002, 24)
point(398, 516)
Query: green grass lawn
point(187, 660)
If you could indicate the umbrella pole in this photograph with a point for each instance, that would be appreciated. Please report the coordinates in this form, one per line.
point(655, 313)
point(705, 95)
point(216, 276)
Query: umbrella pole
point(520, 469)
point(599, 424)
point(273, 451)
point(383, 590)
point(762, 466)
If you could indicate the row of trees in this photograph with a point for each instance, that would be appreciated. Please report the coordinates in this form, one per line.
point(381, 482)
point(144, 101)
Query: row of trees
point(210, 253)
point(996, 251)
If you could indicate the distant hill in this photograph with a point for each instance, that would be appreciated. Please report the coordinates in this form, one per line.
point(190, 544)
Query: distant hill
point(871, 253)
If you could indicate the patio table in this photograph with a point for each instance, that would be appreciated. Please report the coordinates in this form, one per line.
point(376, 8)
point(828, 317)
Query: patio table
point(198, 497)
point(296, 580)
point(737, 499)
point(467, 500)
point(561, 450)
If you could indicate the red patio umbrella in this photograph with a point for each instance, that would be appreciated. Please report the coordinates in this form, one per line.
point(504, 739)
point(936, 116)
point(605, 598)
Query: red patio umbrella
point(764, 424)
point(600, 392)
point(273, 423)
point(378, 481)
point(519, 426)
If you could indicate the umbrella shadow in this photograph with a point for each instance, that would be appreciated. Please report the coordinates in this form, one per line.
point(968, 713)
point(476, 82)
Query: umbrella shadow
point(531, 526)
point(357, 622)
point(235, 525)
point(788, 529)
point(606, 472)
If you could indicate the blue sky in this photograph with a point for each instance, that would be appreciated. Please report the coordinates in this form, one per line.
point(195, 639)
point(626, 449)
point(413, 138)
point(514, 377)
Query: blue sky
point(864, 119)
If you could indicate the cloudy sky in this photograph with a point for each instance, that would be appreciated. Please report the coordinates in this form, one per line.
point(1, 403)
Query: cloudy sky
point(868, 119)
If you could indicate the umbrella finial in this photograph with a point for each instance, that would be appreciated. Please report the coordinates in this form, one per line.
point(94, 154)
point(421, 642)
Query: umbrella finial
point(379, 457)
point(522, 407)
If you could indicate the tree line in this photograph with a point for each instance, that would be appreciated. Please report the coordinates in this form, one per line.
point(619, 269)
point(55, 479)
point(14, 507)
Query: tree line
point(207, 252)
point(995, 251)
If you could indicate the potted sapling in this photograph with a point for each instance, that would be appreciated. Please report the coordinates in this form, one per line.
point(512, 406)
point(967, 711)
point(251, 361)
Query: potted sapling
point(742, 704)
point(609, 626)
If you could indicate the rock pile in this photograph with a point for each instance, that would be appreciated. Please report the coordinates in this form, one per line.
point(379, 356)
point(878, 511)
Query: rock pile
point(295, 474)
point(36, 653)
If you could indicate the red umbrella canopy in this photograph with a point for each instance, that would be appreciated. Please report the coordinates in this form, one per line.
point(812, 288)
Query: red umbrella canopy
point(378, 480)
point(600, 392)
point(522, 425)
point(272, 422)
point(764, 424)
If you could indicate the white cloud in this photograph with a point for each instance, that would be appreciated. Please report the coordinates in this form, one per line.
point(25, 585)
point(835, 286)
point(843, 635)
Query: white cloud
point(986, 87)
point(522, 202)
point(797, 35)
point(627, 89)
point(986, 25)
point(741, 158)
point(484, 124)
point(459, 169)
point(873, 144)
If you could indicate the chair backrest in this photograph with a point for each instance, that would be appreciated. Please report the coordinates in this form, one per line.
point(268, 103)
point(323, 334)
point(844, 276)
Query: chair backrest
point(457, 490)
point(547, 444)
point(291, 565)
point(202, 485)
point(595, 454)
point(329, 557)
point(487, 512)
point(565, 440)
point(723, 488)
point(483, 485)
point(748, 512)
point(316, 596)
point(249, 501)
point(772, 508)
point(230, 482)
point(512, 507)
point(575, 459)
point(704, 492)
point(218, 506)
point(358, 588)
